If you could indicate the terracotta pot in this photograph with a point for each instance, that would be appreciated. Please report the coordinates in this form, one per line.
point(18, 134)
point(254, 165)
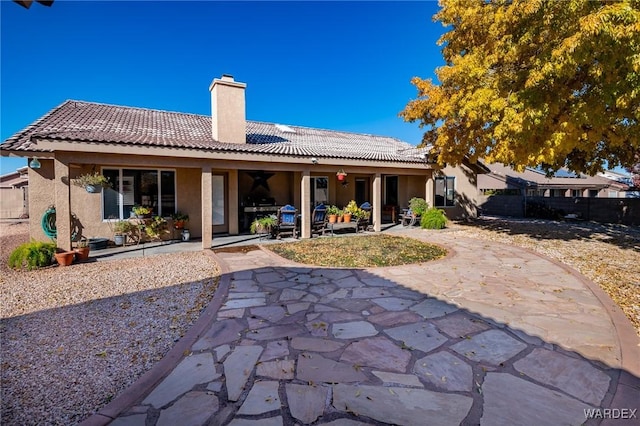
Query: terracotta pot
point(82, 253)
point(333, 218)
point(340, 218)
point(347, 217)
point(65, 258)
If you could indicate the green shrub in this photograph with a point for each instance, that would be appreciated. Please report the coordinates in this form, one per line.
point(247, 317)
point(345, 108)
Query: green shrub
point(32, 255)
point(433, 219)
point(418, 206)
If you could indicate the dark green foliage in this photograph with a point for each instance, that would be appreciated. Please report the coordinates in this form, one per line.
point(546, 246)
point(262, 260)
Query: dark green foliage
point(433, 219)
point(32, 255)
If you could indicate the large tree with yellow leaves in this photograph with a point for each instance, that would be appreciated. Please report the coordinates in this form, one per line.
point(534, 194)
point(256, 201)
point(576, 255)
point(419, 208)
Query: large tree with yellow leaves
point(535, 82)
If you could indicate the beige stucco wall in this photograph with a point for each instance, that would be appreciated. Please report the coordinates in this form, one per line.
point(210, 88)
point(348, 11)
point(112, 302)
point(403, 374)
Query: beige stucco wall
point(87, 207)
point(467, 198)
point(409, 187)
point(284, 186)
point(12, 202)
point(41, 196)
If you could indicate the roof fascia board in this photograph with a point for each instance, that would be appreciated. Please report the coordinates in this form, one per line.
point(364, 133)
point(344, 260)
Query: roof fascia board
point(100, 148)
point(127, 160)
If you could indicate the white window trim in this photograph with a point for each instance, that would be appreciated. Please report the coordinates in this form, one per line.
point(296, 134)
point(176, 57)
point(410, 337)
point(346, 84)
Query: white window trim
point(121, 197)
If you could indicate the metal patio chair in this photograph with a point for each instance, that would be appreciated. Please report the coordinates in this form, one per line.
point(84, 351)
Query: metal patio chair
point(287, 218)
point(319, 219)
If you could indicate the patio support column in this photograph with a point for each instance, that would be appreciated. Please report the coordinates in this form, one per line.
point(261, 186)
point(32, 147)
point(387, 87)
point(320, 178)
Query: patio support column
point(234, 228)
point(297, 177)
point(207, 208)
point(377, 202)
point(63, 203)
point(305, 200)
point(430, 190)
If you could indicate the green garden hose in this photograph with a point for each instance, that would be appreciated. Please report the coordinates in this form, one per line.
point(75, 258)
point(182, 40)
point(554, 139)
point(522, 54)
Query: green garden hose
point(48, 223)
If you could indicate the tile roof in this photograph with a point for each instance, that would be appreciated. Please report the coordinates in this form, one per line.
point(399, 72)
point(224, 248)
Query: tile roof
point(89, 122)
point(538, 178)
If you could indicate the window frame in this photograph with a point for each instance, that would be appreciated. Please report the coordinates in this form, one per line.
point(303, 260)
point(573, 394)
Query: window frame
point(445, 179)
point(120, 197)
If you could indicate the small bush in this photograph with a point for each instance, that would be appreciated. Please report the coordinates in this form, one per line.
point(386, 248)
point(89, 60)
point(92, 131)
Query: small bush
point(433, 219)
point(32, 255)
point(418, 206)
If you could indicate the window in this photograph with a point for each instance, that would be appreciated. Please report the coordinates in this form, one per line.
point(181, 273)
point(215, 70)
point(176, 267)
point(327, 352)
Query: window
point(445, 191)
point(319, 190)
point(153, 188)
point(576, 193)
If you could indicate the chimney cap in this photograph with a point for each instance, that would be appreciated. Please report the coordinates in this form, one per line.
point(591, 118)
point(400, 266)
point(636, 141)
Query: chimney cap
point(227, 80)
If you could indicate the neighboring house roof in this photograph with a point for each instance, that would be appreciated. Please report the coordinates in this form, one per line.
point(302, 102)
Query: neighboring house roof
point(88, 122)
point(16, 179)
point(624, 178)
point(534, 178)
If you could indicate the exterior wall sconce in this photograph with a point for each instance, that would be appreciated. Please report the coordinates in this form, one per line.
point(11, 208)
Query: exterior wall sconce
point(34, 163)
point(341, 175)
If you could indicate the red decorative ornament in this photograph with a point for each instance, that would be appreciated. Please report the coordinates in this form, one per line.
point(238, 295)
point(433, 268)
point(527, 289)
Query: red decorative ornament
point(341, 175)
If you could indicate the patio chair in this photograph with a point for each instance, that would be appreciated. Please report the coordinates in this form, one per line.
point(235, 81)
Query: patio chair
point(364, 223)
point(408, 218)
point(287, 218)
point(319, 219)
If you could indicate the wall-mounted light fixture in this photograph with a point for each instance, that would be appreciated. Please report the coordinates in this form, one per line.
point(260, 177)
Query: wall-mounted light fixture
point(314, 160)
point(34, 163)
point(341, 175)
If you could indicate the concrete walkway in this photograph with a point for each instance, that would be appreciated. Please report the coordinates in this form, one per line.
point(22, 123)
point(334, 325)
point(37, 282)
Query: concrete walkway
point(490, 335)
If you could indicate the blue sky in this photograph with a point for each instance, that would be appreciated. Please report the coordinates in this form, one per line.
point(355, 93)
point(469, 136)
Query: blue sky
point(334, 65)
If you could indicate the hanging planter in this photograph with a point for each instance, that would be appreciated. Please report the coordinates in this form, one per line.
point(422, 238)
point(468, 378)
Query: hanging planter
point(341, 175)
point(93, 189)
point(92, 182)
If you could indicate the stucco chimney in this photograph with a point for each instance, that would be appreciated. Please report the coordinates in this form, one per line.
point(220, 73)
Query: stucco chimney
point(228, 121)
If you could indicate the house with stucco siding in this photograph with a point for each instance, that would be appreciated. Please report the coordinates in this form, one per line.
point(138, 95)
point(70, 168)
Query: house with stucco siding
point(222, 170)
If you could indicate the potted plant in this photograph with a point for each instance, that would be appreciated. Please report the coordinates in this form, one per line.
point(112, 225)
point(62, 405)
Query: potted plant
point(359, 213)
point(332, 214)
point(340, 215)
point(142, 212)
point(156, 228)
point(122, 229)
point(63, 257)
point(92, 182)
point(82, 250)
point(263, 225)
point(350, 210)
point(179, 220)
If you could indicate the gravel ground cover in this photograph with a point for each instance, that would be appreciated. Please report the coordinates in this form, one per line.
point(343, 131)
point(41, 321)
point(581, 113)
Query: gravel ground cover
point(73, 338)
point(608, 254)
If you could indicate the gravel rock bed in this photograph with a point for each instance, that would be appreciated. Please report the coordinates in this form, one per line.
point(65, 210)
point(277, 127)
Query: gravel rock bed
point(607, 254)
point(73, 338)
